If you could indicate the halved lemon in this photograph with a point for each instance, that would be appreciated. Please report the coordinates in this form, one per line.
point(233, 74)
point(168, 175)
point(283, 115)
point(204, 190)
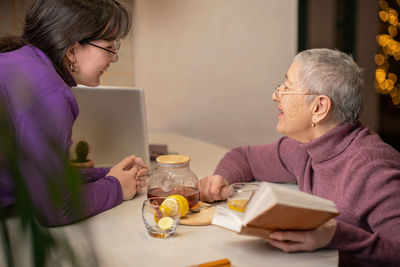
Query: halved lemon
point(169, 207)
point(165, 223)
point(183, 203)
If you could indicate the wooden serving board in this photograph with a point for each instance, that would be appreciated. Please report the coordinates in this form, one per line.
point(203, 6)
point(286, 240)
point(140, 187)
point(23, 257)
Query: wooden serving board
point(204, 217)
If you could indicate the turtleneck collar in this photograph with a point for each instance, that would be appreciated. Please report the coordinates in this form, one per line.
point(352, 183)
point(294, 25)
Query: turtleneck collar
point(333, 142)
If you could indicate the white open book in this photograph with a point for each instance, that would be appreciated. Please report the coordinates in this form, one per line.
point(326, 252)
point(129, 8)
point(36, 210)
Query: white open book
point(275, 207)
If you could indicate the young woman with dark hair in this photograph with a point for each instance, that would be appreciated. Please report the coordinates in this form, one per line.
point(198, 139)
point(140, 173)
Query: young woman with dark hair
point(64, 43)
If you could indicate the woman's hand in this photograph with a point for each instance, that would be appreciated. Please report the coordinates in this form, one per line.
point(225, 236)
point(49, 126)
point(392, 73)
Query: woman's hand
point(292, 241)
point(213, 188)
point(141, 175)
point(126, 173)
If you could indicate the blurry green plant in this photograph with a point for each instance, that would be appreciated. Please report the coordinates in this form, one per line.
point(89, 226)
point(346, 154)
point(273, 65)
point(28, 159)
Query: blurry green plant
point(42, 241)
point(81, 151)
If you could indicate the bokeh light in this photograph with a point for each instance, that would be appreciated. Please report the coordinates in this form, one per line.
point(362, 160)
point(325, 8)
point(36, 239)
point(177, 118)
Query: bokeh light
point(386, 82)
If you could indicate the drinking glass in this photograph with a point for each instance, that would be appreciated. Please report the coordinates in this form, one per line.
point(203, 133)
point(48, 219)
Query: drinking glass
point(160, 217)
point(239, 194)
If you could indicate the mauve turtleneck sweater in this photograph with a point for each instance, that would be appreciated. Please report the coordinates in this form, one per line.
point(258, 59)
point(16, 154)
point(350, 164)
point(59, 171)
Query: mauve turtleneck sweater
point(349, 165)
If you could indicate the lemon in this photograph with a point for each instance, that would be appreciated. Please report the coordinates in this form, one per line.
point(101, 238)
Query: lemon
point(169, 207)
point(183, 203)
point(238, 204)
point(165, 223)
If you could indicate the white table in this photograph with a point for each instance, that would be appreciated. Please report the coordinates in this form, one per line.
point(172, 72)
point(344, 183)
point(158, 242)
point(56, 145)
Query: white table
point(118, 237)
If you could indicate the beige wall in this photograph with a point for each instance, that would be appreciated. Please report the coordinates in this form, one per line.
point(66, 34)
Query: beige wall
point(121, 73)
point(208, 67)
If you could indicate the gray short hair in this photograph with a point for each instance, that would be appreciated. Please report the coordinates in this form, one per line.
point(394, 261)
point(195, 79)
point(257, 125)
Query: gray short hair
point(336, 75)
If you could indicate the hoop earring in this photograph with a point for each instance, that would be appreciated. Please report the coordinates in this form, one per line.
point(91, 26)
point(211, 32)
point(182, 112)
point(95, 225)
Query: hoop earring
point(312, 124)
point(73, 66)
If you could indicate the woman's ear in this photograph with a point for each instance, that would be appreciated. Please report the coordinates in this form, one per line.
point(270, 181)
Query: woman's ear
point(70, 54)
point(321, 107)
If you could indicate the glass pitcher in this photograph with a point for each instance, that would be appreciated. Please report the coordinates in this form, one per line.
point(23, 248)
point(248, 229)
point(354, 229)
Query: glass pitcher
point(174, 177)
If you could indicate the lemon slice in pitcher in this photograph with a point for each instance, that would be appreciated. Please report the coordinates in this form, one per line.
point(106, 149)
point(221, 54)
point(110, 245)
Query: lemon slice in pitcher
point(165, 223)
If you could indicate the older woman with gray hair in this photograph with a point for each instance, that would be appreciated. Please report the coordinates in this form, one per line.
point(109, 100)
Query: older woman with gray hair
point(330, 154)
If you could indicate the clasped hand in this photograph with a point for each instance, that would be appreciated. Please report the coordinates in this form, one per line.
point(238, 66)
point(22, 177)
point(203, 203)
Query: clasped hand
point(131, 173)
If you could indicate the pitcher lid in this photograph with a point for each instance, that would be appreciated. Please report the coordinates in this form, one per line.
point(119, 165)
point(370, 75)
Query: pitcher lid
point(173, 159)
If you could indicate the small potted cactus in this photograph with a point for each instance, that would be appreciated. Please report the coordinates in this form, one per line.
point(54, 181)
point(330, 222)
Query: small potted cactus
point(82, 151)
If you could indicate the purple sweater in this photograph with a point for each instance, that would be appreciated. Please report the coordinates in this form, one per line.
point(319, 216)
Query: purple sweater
point(349, 165)
point(42, 110)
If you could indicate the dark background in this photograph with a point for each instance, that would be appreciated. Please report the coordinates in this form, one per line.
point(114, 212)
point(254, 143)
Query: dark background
point(348, 34)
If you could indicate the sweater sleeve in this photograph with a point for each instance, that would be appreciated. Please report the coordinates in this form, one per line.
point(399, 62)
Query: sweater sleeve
point(371, 247)
point(369, 227)
point(273, 162)
point(43, 133)
point(93, 174)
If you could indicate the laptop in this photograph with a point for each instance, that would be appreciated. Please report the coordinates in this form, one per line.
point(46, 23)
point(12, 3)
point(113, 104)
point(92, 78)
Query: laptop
point(112, 119)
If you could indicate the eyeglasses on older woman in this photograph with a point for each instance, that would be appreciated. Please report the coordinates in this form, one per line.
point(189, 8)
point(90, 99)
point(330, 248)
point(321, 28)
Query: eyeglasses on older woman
point(282, 91)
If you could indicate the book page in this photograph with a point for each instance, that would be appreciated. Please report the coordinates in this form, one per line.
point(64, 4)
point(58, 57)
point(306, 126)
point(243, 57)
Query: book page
point(270, 195)
point(291, 197)
point(262, 200)
point(229, 219)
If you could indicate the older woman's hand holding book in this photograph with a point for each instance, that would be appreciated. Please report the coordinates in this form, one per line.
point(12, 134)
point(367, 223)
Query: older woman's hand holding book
point(292, 241)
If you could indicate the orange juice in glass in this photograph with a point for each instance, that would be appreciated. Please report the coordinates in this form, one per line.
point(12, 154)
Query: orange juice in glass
point(239, 194)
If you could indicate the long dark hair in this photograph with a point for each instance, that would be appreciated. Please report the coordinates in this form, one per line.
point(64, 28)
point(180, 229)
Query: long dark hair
point(54, 25)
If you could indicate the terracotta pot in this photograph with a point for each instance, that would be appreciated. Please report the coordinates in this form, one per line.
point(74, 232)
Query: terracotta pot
point(83, 165)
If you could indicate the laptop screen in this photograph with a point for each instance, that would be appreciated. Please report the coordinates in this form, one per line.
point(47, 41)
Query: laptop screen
point(112, 120)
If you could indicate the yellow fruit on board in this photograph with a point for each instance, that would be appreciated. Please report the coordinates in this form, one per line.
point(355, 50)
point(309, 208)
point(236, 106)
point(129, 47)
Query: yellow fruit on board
point(169, 207)
point(165, 223)
point(183, 203)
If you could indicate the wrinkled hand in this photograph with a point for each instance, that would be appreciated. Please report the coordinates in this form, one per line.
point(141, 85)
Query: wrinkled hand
point(213, 188)
point(292, 241)
point(126, 172)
